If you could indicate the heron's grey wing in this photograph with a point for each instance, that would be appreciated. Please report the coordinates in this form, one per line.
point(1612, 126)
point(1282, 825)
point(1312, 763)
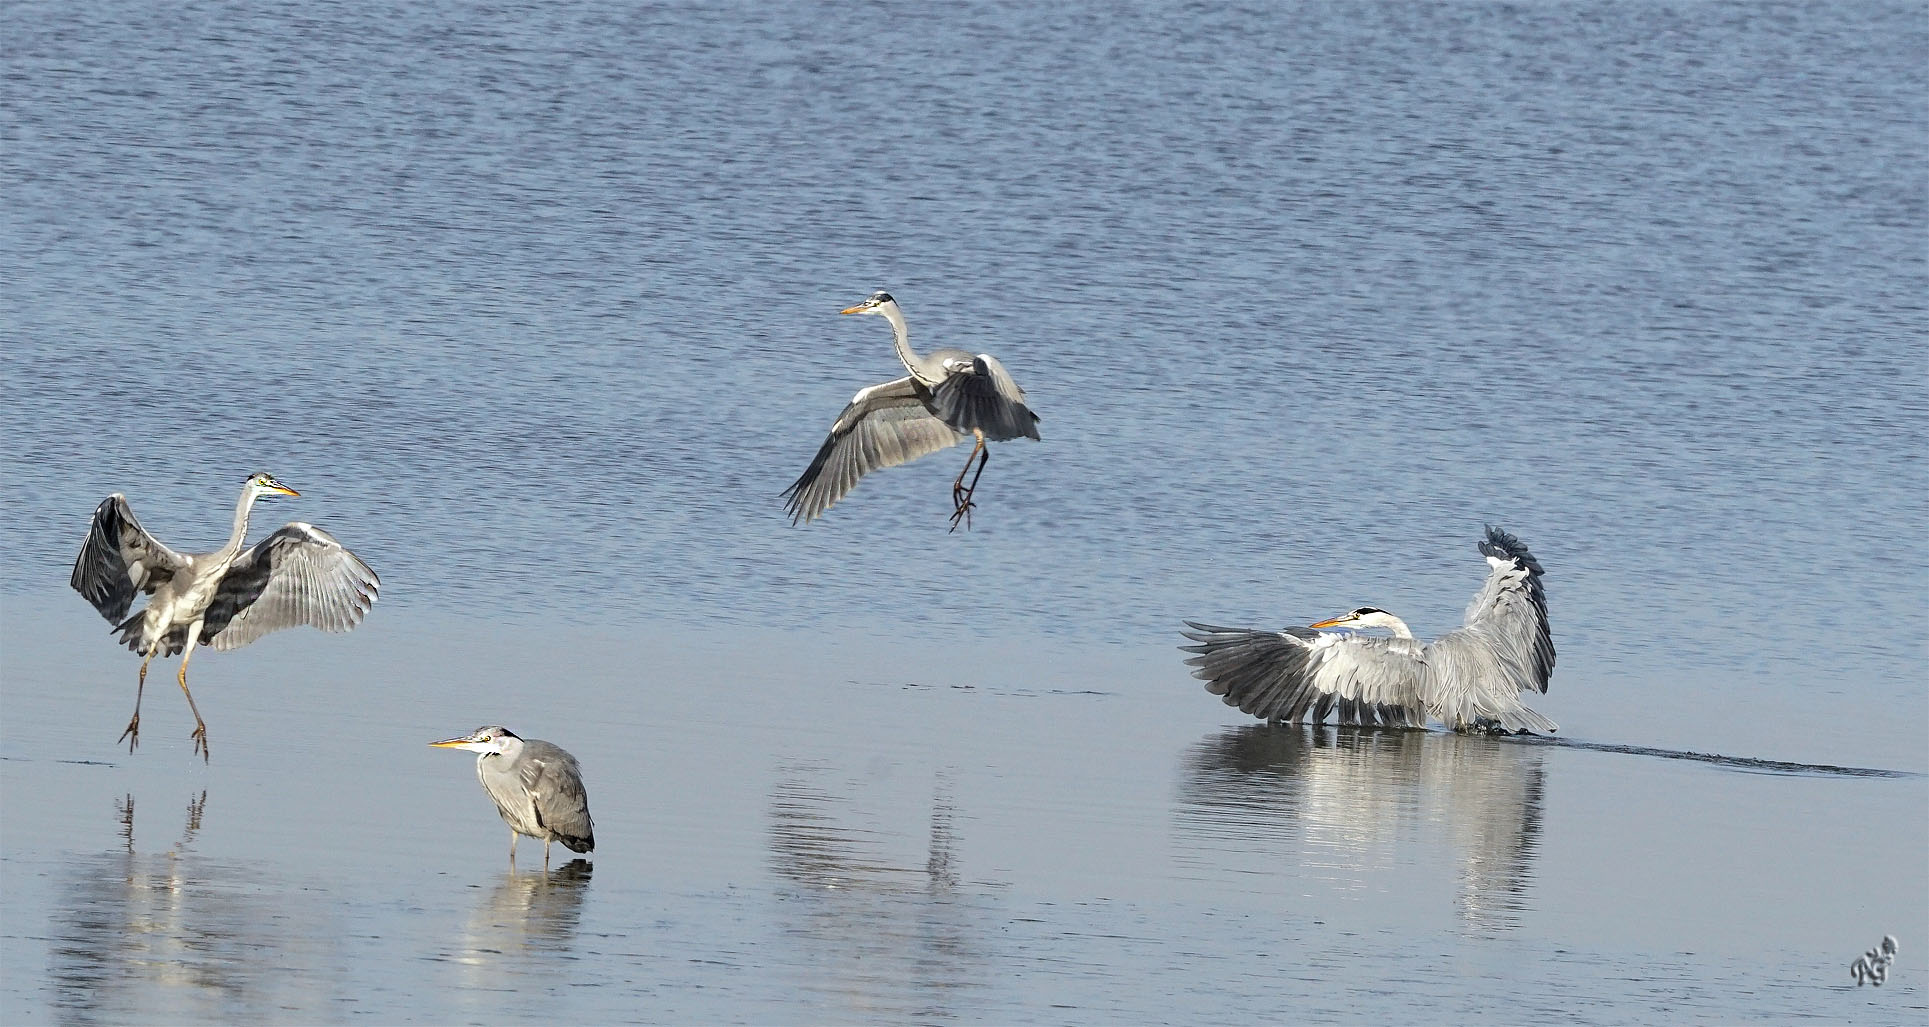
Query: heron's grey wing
point(883, 426)
point(298, 575)
point(1504, 649)
point(981, 396)
point(1298, 675)
point(554, 783)
point(120, 560)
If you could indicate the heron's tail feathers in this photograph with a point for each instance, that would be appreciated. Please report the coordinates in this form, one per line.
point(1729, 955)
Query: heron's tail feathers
point(130, 632)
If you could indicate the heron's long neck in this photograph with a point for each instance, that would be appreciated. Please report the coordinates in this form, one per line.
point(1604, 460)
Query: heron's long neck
point(901, 338)
point(241, 509)
point(1393, 624)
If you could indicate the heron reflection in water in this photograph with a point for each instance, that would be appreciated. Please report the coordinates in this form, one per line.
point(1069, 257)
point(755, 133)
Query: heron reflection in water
point(1349, 804)
point(159, 933)
point(892, 923)
point(1470, 679)
point(950, 394)
point(531, 911)
point(298, 575)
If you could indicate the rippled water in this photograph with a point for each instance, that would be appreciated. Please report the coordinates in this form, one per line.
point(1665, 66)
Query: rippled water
point(536, 304)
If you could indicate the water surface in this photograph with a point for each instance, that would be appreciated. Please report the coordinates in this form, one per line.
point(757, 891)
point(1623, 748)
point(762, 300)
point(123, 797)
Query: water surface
point(536, 305)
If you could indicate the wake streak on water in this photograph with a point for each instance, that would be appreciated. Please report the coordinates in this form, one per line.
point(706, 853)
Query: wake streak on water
point(1743, 763)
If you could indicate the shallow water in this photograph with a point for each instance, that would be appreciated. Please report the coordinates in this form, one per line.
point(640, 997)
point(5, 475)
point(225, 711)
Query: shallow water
point(536, 305)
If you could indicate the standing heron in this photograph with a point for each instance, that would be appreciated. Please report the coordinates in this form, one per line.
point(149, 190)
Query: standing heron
point(1470, 679)
point(948, 395)
point(227, 598)
point(537, 786)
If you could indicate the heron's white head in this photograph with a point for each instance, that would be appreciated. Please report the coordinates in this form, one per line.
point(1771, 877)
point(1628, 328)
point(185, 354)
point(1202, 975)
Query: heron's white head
point(489, 740)
point(263, 484)
point(1364, 617)
point(875, 304)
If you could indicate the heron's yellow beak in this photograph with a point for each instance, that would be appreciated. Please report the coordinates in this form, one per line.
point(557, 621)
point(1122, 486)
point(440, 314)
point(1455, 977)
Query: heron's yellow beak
point(451, 743)
point(1334, 623)
point(286, 491)
point(859, 309)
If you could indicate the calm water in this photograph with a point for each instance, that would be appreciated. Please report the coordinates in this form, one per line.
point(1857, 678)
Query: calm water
point(536, 304)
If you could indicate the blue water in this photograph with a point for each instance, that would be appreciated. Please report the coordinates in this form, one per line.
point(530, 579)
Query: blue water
point(536, 305)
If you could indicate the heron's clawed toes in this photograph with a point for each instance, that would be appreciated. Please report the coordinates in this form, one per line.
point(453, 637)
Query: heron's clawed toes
point(963, 512)
point(132, 736)
point(200, 737)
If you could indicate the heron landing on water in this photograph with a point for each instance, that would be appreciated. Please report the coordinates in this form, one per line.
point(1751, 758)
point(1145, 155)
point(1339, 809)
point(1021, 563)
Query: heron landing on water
point(950, 394)
point(538, 788)
point(1470, 679)
point(227, 598)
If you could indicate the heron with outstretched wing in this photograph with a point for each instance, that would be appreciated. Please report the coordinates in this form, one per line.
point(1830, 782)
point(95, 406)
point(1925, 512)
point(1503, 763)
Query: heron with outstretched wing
point(949, 395)
point(1470, 679)
point(298, 575)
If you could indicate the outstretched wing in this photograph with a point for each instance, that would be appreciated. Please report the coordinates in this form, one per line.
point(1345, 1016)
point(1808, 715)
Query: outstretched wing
point(555, 786)
point(1504, 648)
point(981, 396)
point(883, 426)
point(298, 575)
point(120, 560)
point(1298, 675)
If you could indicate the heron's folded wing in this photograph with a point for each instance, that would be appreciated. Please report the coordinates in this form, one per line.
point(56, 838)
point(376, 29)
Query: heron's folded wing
point(120, 560)
point(298, 575)
point(1509, 615)
point(983, 397)
point(883, 426)
point(1298, 674)
point(555, 786)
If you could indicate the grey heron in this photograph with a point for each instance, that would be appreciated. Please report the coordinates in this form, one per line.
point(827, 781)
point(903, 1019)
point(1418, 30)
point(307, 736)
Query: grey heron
point(538, 788)
point(1470, 679)
point(298, 575)
point(949, 394)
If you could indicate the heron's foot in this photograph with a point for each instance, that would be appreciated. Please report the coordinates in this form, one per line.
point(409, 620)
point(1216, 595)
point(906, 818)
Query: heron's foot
point(200, 737)
point(132, 736)
point(963, 513)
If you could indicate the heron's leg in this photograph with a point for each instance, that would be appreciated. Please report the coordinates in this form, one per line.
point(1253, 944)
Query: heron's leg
point(200, 735)
point(512, 848)
point(546, 842)
point(964, 506)
point(959, 495)
point(132, 736)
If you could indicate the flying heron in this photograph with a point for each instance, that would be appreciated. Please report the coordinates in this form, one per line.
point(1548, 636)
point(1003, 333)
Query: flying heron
point(1469, 679)
point(537, 786)
point(949, 394)
point(227, 598)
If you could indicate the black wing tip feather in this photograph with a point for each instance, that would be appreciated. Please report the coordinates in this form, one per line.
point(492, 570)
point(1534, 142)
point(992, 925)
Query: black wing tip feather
point(1503, 545)
point(794, 495)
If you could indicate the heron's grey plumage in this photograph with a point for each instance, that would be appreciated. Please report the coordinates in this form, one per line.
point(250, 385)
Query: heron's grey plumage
point(883, 426)
point(1470, 678)
point(300, 574)
point(950, 394)
point(121, 560)
point(537, 788)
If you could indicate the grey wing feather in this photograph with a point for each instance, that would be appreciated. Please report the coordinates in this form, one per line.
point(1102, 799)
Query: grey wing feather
point(1298, 675)
point(300, 575)
point(983, 397)
point(1504, 649)
point(554, 783)
point(120, 560)
point(883, 426)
